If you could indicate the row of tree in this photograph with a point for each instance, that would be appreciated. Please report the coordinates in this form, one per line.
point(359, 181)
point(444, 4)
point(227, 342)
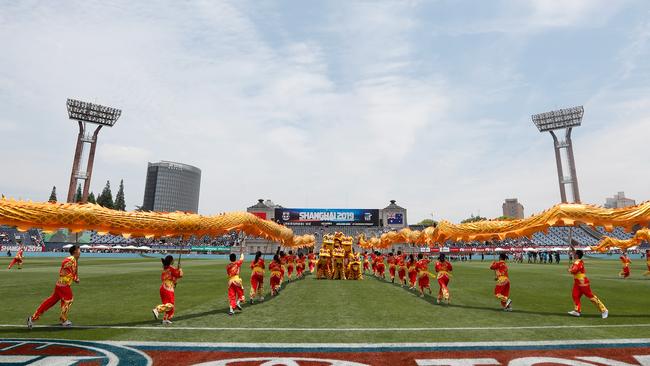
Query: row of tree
point(105, 199)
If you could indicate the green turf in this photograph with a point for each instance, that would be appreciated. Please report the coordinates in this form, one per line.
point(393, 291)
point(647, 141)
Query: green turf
point(123, 291)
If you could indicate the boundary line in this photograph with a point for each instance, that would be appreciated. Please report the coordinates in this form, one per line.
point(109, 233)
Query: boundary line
point(261, 329)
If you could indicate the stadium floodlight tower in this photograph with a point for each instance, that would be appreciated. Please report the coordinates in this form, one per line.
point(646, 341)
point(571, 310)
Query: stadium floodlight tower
point(88, 115)
point(562, 119)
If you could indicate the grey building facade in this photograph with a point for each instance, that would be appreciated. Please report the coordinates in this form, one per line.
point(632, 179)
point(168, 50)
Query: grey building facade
point(172, 187)
point(512, 208)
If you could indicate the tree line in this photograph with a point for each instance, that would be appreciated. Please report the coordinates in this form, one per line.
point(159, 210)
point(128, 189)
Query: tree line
point(105, 199)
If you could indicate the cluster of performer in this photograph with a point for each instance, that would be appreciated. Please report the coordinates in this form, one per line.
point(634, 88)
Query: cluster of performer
point(335, 262)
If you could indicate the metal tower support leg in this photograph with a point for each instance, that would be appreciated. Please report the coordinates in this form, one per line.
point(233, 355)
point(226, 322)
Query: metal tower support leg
point(572, 167)
point(91, 161)
point(75, 164)
point(558, 161)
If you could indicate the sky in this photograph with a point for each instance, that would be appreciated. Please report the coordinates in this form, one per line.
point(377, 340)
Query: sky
point(331, 104)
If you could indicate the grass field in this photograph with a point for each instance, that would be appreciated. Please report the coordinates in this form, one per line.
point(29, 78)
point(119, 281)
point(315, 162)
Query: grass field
point(121, 292)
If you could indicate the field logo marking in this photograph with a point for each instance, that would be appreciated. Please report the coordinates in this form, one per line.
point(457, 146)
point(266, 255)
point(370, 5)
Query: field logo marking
point(64, 352)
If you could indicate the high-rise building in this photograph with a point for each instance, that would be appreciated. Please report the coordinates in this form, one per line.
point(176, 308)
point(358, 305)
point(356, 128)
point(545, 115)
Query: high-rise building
point(619, 201)
point(512, 208)
point(172, 187)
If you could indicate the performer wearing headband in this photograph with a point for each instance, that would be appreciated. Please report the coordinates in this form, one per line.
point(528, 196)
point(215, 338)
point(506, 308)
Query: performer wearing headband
point(391, 266)
point(276, 274)
point(18, 259)
point(257, 277)
point(422, 267)
point(235, 285)
point(502, 288)
point(443, 269)
point(581, 286)
point(400, 261)
point(366, 264)
point(300, 266)
point(412, 271)
point(62, 291)
point(625, 261)
point(169, 277)
point(312, 260)
point(381, 267)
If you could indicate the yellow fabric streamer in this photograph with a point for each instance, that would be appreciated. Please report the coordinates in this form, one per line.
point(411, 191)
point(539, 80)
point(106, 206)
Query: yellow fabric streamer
point(606, 242)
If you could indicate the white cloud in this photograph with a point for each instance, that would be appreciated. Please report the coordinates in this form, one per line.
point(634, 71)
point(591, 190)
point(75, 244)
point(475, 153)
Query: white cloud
point(119, 154)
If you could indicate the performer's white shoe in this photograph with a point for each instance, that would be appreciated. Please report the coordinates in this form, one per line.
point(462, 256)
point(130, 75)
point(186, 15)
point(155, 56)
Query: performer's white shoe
point(574, 313)
point(30, 323)
point(508, 303)
point(155, 313)
point(166, 322)
point(66, 323)
point(605, 314)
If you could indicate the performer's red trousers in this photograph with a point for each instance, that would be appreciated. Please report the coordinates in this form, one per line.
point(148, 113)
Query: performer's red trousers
point(62, 294)
point(15, 261)
point(444, 291)
point(257, 283)
point(391, 271)
point(626, 272)
point(502, 292)
point(423, 282)
point(402, 274)
point(365, 266)
point(412, 278)
point(235, 293)
point(289, 270)
point(275, 282)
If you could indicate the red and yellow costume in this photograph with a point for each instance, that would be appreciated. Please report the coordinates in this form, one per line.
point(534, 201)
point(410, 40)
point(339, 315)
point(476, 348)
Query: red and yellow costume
point(18, 259)
point(366, 264)
point(422, 267)
point(283, 263)
point(257, 278)
point(502, 287)
point(625, 271)
point(373, 260)
point(235, 285)
point(581, 287)
point(290, 261)
point(443, 269)
point(338, 270)
point(401, 268)
point(354, 267)
point(276, 275)
point(322, 267)
point(380, 266)
point(169, 277)
point(312, 261)
point(300, 267)
point(391, 267)
point(412, 272)
point(62, 291)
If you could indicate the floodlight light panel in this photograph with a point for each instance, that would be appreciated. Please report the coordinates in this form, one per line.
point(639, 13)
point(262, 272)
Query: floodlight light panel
point(94, 113)
point(561, 118)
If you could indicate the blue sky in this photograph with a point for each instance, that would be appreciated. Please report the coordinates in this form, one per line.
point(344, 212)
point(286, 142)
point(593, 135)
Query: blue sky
point(332, 104)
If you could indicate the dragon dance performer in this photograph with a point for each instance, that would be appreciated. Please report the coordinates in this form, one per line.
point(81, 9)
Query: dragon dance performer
point(235, 285)
point(322, 267)
point(257, 277)
point(502, 287)
point(275, 267)
point(391, 266)
point(169, 277)
point(400, 261)
point(373, 261)
point(300, 266)
point(422, 267)
point(647, 261)
point(443, 269)
point(581, 287)
point(283, 263)
point(312, 260)
point(338, 254)
point(381, 267)
point(412, 271)
point(62, 291)
point(366, 264)
point(290, 261)
point(354, 266)
point(625, 271)
point(18, 259)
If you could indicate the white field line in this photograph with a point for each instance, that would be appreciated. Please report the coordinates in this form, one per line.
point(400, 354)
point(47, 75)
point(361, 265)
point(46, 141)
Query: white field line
point(172, 327)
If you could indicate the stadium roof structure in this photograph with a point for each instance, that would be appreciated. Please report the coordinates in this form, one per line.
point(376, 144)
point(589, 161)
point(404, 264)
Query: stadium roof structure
point(393, 205)
point(558, 119)
point(93, 113)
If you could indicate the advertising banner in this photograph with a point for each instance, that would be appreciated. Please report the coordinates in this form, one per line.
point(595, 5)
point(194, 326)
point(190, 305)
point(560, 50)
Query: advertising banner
point(327, 216)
